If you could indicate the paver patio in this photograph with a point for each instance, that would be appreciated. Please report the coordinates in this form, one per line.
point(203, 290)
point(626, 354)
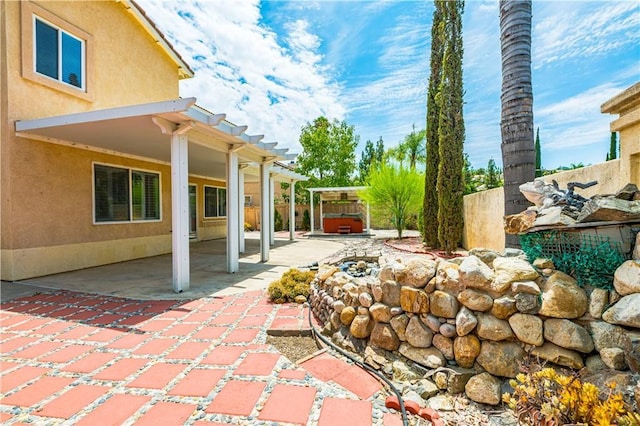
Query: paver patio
point(79, 358)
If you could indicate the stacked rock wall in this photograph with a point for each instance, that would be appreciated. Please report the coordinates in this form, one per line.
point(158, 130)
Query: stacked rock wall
point(485, 312)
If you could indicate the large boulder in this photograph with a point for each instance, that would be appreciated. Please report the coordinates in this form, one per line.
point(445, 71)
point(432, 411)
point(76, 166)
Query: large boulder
point(626, 279)
point(380, 312)
point(484, 388)
point(607, 335)
point(492, 328)
point(384, 337)
point(527, 328)
point(509, 270)
point(474, 273)
point(475, 300)
point(361, 326)
point(417, 272)
point(428, 357)
point(390, 293)
point(625, 312)
point(414, 300)
point(501, 358)
point(418, 334)
point(558, 355)
point(443, 304)
point(347, 314)
point(465, 350)
point(563, 298)
point(568, 334)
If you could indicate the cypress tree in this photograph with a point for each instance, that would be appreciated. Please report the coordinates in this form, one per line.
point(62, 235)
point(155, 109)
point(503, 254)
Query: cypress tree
point(450, 182)
point(430, 204)
point(613, 147)
point(538, 154)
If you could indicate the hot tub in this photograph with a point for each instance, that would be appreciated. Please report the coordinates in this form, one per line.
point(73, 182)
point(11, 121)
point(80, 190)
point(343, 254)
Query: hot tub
point(342, 223)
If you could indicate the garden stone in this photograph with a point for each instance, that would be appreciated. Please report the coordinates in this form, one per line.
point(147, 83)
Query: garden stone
point(399, 324)
point(613, 358)
point(402, 373)
point(527, 328)
point(501, 358)
point(338, 306)
point(504, 307)
point(441, 403)
point(492, 328)
point(418, 334)
point(444, 344)
point(527, 303)
point(376, 291)
point(598, 300)
point(347, 315)
point(458, 379)
point(380, 312)
point(475, 300)
point(626, 279)
point(563, 298)
point(465, 322)
point(486, 255)
point(466, 349)
point(625, 312)
point(448, 330)
point(448, 278)
point(426, 388)
point(417, 272)
point(384, 337)
point(509, 270)
point(558, 355)
point(474, 273)
point(432, 322)
point(391, 293)
point(568, 334)
point(428, 357)
point(365, 299)
point(484, 388)
point(607, 335)
point(414, 300)
point(336, 320)
point(443, 304)
point(542, 263)
point(361, 326)
point(528, 287)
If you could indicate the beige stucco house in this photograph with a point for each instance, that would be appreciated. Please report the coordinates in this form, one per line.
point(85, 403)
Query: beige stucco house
point(101, 160)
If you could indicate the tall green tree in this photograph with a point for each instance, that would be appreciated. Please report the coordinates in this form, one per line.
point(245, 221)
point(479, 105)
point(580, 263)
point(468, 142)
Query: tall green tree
point(516, 123)
point(613, 147)
point(538, 154)
point(394, 193)
point(430, 202)
point(328, 152)
point(450, 183)
point(493, 175)
point(379, 150)
point(367, 157)
point(328, 155)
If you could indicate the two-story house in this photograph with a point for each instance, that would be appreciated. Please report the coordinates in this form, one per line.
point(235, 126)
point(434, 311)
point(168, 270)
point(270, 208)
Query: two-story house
point(101, 160)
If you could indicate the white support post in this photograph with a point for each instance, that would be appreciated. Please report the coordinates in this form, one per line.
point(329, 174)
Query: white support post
point(272, 211)
point(264, 211)
point(311, 209)
point(241, 209)
point(232, 211)
point(368, 219)
point(292, 210)
point(180, 210)
point(321, 224)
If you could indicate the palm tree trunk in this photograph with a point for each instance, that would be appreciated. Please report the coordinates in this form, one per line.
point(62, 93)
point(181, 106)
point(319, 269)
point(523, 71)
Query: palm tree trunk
point(518, 150)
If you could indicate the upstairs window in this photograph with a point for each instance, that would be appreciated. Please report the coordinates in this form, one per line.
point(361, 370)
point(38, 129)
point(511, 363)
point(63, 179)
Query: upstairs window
point(58, 54)
point(215, 202)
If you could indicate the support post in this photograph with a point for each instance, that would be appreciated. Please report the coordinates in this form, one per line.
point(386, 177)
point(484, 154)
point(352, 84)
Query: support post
point(180, 210)
point(272, 211)
point(264, 211)
point(233, 229)
point(321, 224)
point(241, 242)
point(368, 218)
point(292, 210)
point(311, 221)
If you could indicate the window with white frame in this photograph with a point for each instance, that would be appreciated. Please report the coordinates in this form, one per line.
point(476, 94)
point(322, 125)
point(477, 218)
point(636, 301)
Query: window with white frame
point(58, 54)
point(123, 195)
point(215, 202)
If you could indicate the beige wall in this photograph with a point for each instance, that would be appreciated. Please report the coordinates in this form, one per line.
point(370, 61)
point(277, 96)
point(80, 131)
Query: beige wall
point(484, 211)
point(46, 189)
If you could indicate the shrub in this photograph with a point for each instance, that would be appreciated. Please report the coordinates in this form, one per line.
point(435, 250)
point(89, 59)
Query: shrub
point(277, 221)
point(543, 396)
point(292, 283)
point(306, 220)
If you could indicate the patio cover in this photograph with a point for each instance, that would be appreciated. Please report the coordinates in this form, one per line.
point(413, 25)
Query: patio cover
point(192, 141)
point(343, 193)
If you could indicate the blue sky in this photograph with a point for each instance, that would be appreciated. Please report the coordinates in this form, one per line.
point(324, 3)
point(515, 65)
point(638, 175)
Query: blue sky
point(276, 65)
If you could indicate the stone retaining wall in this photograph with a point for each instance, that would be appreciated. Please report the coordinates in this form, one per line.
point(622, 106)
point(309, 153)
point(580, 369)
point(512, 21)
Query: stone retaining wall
point(483, 312)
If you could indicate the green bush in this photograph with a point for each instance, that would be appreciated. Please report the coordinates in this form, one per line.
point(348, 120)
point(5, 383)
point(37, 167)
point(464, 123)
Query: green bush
point(306, 220)
point(292, 283)
point(277, 221)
